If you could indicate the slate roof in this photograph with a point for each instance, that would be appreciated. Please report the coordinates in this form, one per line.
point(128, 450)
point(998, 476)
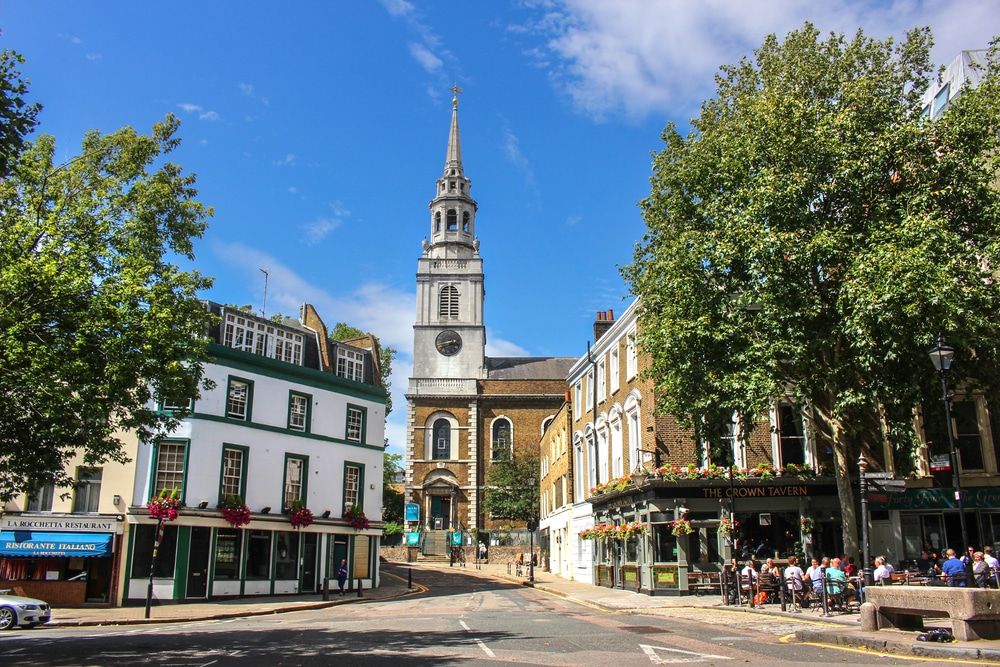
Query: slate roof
point(528, 368)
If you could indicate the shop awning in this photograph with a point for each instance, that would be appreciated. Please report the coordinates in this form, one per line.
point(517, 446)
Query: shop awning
point(35, 544)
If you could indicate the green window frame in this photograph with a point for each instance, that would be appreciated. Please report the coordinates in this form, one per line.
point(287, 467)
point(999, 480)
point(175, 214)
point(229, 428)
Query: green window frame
point(303, 482)
point(244, 466)
point(154, 464)
point(356, 423)
point(306, 413)
point(360, 489)
point(232, 400)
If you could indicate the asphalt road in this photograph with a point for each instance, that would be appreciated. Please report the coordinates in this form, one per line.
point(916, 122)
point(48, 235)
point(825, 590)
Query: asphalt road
point(459, 620)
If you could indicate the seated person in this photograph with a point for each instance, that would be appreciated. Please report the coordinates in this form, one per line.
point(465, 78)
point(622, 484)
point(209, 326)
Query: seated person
point(794, 576)
point(924, 562)
point(883, 571)
point(749, 572)
point(768, 566)
point(980, 570)
point(837, 583)
point(817, 575)
point(954, 570)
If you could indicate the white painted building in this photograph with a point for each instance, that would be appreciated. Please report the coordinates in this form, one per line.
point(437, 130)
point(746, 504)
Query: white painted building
point(294, 418)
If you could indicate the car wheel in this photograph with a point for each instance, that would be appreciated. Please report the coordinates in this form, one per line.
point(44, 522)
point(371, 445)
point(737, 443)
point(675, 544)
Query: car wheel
point(7, 618)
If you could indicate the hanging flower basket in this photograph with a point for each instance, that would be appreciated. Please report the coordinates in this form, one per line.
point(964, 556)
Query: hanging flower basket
point(299, 515)
point(235, 511)
point(356, 518)
point(807, 524)
point(728, 526)
point(681, 527)
point(165, 506)
point(628, 531)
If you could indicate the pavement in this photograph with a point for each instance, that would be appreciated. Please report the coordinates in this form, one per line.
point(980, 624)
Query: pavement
point(848, 634)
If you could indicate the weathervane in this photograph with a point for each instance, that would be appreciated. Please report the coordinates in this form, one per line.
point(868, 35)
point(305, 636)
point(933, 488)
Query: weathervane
point(456, 90)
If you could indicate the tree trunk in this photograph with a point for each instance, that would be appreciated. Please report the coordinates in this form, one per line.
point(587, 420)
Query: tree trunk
point(845, 494)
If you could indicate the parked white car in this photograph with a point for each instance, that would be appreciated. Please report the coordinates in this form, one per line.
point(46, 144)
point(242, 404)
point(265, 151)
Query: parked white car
point(26, 612)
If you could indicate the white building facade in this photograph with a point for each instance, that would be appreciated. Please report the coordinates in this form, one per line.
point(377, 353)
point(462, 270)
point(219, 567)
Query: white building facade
point(294, 420)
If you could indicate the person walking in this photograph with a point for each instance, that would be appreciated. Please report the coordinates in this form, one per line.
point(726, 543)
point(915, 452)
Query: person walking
point(342, 576)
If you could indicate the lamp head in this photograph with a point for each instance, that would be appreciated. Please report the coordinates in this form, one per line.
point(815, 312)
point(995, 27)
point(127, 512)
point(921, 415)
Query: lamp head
point(942, 355)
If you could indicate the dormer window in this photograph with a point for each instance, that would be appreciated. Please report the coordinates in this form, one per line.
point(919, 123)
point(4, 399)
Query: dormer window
point(350, 364)
point(452, 220)
point(249, 335)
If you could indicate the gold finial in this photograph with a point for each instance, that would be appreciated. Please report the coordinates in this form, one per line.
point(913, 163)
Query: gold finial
point(456, 90)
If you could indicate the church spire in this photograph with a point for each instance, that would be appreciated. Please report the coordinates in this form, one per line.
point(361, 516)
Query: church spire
point(453, 210)
point(453, 158)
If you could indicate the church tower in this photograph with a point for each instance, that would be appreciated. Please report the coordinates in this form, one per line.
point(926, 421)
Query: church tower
point(449, 339)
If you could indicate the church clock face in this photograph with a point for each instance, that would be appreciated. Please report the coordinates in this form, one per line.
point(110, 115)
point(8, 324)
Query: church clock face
point(448, 343)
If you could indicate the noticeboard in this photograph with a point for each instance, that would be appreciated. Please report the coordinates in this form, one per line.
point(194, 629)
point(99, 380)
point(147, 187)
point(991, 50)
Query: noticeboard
point(412, 512)
point(413, 539)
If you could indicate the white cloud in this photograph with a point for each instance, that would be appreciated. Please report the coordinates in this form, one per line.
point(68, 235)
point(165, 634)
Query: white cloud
point(498, 347)
point(287, 161)
point(292, 189)
point(319, 229)
point(94, 57)
point(573, 220)
point(245, 88)
point(430, 62)
point(640, 57)
point(397, 7)
point(202, 112)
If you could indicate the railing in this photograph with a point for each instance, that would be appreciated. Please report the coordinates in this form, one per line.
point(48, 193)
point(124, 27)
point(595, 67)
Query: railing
point(450, 263)
point(436, 386)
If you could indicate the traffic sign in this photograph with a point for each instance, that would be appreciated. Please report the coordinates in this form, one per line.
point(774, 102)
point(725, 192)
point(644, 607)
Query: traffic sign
point(879, 475)
point(890, 485)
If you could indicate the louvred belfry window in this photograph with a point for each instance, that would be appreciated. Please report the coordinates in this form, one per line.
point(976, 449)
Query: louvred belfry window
point(448, 305)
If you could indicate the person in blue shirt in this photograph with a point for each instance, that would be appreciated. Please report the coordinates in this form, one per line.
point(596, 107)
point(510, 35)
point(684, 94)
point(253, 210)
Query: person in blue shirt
point(954, 569)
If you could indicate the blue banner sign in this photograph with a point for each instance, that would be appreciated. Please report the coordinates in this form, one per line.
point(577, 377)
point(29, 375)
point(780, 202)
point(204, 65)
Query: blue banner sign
point(412, 512)
point(456, 538)
point(34, 544)
point(413, 539)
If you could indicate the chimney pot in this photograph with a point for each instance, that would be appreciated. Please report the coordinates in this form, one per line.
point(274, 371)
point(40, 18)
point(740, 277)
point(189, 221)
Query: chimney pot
point(611, 314)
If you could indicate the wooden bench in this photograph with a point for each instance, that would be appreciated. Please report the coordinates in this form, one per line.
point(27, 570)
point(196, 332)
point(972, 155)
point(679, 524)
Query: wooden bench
point(702, 582)
point(974, 612)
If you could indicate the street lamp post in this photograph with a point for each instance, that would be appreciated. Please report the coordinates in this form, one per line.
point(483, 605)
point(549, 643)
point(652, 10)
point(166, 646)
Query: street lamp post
point(532, 525)
point(865, 549)
point(942, 355)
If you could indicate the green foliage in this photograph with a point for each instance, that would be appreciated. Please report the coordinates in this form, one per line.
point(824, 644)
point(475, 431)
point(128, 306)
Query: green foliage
point(94, 320)
point(815, 233)
point(17, 117)
point(392, 499)
point(343, 331)
point(392, 528)
point(511, 490)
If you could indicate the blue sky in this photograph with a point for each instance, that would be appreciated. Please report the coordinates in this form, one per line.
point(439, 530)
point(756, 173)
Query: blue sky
point(317, 131)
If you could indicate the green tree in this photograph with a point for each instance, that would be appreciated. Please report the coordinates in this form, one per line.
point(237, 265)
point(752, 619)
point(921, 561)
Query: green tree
point(392, 499)
point(17, 117)
point(343, 331)
point(511, 490)
point(813, 234)
point(94, 319)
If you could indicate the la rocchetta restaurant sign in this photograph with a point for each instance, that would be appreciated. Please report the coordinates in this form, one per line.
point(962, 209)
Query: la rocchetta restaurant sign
point(81, 524)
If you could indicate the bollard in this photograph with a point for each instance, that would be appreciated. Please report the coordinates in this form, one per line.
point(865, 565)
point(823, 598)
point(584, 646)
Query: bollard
point(326, 589)
point(359, 587)
point(409, 578)
point(822, 588)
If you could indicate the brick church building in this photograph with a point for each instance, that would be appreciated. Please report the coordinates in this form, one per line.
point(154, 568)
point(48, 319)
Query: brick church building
point(465, 410)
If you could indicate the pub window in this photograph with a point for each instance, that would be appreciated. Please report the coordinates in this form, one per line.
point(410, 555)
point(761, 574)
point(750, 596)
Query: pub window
point(791, 435)
point(228, 548)
point(355, 429)
point(298, 411)
point(259, 554)
point(665, 544)
point(238, 399)
point(352, 487)
point(632, 550)
point(501, 439)
point(295, 472)
point(234, 463)
point(142, 552)
point(169, 472)
point(286, 561)
point(441, 439)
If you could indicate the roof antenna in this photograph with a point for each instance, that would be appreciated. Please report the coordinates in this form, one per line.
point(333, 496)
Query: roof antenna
point(263, 310)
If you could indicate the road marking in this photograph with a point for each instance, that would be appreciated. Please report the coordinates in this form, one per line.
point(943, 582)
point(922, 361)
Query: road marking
point(882, 654)
point(729, 639)
point(684, 656)
point(486, 649)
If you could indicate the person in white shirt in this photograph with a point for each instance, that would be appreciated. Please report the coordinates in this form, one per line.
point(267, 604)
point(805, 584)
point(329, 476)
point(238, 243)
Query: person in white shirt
point(768, 567)
point(990, 558)
point(882, 570)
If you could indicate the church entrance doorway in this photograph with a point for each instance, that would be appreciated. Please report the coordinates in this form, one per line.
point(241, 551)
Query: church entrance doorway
point(440, 514)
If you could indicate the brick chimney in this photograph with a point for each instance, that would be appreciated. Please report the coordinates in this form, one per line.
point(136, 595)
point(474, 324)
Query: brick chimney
point(605, 318)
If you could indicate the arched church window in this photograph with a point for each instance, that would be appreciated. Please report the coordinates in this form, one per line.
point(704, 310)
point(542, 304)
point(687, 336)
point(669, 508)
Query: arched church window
point(437, 222)
point(448, 305)
point(452, 220)
point(441, 435)
point(451, 186)
point(502, 440)
point(465, 221)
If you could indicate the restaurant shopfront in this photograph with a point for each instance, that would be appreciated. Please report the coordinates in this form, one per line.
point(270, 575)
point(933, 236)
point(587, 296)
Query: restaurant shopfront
point(645, 547)
point(67, 560)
